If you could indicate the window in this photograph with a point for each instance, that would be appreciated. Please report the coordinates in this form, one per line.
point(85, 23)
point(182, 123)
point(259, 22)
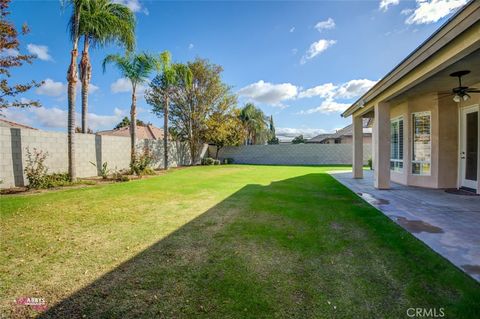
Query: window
point(396, 144)
point(421, 153)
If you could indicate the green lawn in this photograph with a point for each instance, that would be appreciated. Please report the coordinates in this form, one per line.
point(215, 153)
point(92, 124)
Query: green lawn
point(220, 242)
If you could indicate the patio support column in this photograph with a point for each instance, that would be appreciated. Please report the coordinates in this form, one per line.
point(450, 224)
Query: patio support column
point(381, 142)
point(357, 146)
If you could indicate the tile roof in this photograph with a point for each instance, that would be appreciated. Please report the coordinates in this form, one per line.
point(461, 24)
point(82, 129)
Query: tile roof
point(346, 131)
point(148, 132)
point(7, 123)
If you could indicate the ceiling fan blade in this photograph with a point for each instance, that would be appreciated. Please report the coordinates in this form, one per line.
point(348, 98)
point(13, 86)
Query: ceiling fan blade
point(473, 90)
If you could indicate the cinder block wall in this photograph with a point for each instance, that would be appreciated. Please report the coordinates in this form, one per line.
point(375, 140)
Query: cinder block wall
point(292, 154)
point(89, 148)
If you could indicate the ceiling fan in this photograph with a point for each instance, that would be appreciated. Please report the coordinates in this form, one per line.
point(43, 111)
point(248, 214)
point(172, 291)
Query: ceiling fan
point(461, 92)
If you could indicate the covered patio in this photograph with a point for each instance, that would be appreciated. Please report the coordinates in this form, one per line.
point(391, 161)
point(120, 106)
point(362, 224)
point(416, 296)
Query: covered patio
point(448, 223)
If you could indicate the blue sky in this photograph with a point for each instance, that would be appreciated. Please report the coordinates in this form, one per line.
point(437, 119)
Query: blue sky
point(302, 61)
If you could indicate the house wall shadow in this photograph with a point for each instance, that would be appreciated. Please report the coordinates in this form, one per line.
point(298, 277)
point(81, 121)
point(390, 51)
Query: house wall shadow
point(170, 273)
point(17, 156)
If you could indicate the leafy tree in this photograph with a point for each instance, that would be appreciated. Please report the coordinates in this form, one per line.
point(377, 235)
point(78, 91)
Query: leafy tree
point(273, 138)
point(126, 122)
point(224, 129)
point(298, 140)
point(255, 124)
point(10, 58)
point(161, 90)
point(192, 102)
point(136, 68)
point(101, 22)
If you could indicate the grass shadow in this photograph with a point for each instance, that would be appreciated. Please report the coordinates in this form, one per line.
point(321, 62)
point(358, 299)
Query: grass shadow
point(301, 247)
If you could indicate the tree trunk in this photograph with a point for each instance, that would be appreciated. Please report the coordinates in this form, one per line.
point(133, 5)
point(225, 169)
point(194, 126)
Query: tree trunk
point(216, 153)
point(72, 81)
point(165, 134)
point(85, 74)
point(133, 124)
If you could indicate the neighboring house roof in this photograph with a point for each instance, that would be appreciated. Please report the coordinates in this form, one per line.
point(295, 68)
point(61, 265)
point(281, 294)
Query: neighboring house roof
point(346, 131)
point(7, 123)
point(148, 132)
point(462, 20)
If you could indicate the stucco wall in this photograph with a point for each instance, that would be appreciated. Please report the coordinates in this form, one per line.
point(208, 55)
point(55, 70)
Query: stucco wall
point(292, 154)
point(89, 148)
point(444, 139)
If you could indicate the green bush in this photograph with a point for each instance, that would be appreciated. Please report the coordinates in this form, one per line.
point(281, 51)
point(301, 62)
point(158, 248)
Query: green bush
point(104, 170)
point(208, 161)
point(35, 169)
point(370, 163)
point(142, 162)
point(216, 162)
point(228, 160)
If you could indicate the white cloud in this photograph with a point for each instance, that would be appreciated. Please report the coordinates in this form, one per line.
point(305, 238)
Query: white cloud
point(133, 5)
point(347, 90)
point(9, 52)
point(122, 85)
point(324, 90)
point(384, 4)
point(294, 51)
point(269, 93)
point(316, 48)
point(292, 29)
point(190, 46)
point(354, 88)
point(52, 88)
point(325, 25)
point(430, 11)
point(56, 118)
point(41, 51)
point(327, 106)
point(406, 12)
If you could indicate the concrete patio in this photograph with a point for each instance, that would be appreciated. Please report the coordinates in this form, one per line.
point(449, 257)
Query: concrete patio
point(448, 223)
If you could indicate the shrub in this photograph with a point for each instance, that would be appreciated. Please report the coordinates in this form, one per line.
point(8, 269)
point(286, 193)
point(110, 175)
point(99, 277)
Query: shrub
point(142, 162)
point(370, 163)
point(216, 162)
point(35, 169)
point(208, 161)
point(119, 176)
point(104, 170)
point(149, 171)
point(228, 161)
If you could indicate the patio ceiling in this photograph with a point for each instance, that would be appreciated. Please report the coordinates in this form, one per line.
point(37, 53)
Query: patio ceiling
point(443, 82)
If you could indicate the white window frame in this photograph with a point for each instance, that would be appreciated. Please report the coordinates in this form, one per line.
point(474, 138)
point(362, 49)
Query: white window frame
point(398, 119)
point(429, 113)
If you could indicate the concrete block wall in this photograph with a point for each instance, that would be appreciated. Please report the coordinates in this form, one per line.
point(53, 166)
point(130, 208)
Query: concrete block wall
point(89, 148)
point(292, 154)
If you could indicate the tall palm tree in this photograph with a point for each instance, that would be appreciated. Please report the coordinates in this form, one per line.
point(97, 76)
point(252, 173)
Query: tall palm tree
point(101, 22)
point(72, 82)
point(136, 68)
point(161, 89)
point(255, 123)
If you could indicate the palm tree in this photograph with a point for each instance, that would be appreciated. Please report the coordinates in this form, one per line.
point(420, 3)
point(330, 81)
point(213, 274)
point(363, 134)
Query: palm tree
point(255, 124)
point(162, 88)
point(136, 68)
point(72, 82)
point(101, 22)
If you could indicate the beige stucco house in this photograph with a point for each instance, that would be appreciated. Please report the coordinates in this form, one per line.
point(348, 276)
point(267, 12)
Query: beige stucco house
point(425, 124)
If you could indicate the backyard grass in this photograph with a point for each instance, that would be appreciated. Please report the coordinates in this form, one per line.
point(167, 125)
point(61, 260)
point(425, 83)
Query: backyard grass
point(232, 241)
